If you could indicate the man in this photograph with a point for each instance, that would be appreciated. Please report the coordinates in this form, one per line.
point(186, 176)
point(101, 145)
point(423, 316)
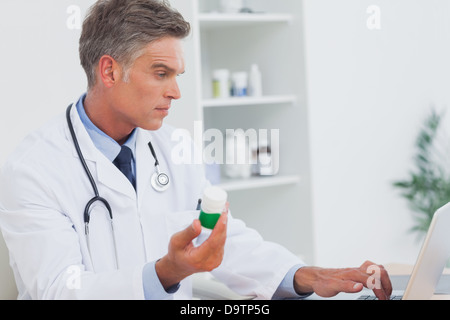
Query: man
point(63, 245)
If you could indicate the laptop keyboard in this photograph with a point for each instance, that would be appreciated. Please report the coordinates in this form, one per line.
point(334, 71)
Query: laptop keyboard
point(372, 297)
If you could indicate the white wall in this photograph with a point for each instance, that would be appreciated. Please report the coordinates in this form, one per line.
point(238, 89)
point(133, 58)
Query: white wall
point(369, 91)
point(41, 73)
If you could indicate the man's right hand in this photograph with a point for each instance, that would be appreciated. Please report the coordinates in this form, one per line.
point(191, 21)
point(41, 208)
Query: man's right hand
point(184, 259)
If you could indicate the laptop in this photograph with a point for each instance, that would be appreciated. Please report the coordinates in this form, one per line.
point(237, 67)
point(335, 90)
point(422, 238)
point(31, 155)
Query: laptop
point(427, 271)
point(431, 261)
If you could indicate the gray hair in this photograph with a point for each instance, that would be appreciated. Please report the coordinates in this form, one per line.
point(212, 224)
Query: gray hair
point(123, 28)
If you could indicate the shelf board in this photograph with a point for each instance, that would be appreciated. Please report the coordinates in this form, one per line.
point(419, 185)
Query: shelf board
point(241, 19)
point(247, 101)
point(258, 182)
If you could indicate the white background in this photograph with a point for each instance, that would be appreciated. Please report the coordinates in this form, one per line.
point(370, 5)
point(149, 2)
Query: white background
point(369, 92)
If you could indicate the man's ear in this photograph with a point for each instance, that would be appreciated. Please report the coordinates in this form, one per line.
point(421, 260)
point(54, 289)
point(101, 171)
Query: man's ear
point(109, 71)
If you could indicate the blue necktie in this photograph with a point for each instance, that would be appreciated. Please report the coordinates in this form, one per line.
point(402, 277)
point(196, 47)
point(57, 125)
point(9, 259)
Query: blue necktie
point(123, 163)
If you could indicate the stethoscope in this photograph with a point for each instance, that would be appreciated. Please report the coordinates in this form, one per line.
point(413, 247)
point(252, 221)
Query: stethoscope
point(159, 181)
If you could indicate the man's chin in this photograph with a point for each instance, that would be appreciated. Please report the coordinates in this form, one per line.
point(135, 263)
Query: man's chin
point(153, 125)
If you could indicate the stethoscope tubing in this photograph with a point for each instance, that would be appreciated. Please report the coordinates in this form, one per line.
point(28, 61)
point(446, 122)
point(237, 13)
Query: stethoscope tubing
point(94, 187)
point(160, 187)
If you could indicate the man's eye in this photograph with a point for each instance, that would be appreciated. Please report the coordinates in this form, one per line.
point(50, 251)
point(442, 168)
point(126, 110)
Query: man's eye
point(161, 74)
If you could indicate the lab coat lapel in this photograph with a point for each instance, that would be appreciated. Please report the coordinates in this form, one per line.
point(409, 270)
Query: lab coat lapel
point(111, 177)
point(106, 172)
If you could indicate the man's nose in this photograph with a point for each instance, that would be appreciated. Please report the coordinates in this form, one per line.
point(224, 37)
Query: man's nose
point(173, 91)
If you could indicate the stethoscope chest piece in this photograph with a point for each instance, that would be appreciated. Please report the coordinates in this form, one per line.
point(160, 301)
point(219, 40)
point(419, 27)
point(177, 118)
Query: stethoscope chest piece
point(160, 181)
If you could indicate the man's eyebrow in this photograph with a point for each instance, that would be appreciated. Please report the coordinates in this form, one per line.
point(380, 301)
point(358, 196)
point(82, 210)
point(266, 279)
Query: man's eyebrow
point(164, 66)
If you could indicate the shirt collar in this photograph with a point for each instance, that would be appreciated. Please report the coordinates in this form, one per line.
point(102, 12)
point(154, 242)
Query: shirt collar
point(108, 146)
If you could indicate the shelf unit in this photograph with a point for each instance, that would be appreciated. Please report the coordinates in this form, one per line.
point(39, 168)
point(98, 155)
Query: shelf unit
point(272, 39)
point(259, 182)
point(249, 101)
point(219, 20)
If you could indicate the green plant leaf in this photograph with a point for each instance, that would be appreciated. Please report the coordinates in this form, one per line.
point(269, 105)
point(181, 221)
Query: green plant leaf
point(427, 188)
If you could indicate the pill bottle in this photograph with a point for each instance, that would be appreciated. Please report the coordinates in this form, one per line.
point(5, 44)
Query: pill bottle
point(221, 84)
point(240, 84)
point(212, 205)
point(255, 81)
point(265, 159)
point(238, 162)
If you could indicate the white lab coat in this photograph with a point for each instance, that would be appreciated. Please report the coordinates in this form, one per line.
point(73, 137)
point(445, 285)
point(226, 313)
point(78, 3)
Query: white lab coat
point(43, 193)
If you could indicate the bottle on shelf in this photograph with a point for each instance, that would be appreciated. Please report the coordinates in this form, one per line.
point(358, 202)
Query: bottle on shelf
point(255, 81)
point(221, 84)
point(240, 84)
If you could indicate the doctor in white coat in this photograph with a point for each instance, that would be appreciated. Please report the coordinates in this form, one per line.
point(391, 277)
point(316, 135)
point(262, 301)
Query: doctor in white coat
point(132, 54)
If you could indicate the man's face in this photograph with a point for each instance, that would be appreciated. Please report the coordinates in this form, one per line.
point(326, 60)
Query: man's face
point(144, 98)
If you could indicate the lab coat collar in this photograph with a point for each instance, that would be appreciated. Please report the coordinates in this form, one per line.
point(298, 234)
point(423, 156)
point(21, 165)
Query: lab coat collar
point(107, 145)
point(107, 173)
